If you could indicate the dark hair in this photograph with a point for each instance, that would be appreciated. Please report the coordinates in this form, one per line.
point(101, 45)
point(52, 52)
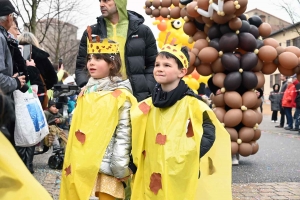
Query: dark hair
point(184, 50)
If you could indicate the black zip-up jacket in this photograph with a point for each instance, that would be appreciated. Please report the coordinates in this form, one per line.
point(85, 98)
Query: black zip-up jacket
point(140, 54)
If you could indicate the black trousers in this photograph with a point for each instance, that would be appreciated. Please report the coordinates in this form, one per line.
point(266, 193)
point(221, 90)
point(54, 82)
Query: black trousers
point(274, 115)
point(282, 116)
point(27, 154)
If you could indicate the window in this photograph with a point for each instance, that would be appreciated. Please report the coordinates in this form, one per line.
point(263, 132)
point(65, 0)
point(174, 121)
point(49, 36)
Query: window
point(296, 42)
point(288, 43)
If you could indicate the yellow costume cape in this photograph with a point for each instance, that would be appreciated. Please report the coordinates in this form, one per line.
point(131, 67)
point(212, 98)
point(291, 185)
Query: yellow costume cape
point(16, 182)
point(166, 149)
point(93, 124)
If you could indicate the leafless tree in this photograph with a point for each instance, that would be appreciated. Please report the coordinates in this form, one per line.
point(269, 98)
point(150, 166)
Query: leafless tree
point(292, 9)
point(51, 21)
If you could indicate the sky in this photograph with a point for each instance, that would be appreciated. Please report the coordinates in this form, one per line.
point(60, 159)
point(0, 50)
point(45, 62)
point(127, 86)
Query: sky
point(93, 7)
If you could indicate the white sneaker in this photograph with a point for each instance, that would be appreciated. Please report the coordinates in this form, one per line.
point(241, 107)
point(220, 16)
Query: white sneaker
point(273, 121)
point(234, 160)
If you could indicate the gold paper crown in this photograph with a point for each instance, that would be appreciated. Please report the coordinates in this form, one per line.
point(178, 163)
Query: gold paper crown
point(176, 51)
point(100, 47)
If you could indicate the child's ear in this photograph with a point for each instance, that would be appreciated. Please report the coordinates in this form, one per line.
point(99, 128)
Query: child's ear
point(183, 72)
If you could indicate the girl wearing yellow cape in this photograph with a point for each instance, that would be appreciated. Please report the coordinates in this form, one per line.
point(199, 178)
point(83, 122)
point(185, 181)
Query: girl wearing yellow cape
point(99, 144)
point(181, 150)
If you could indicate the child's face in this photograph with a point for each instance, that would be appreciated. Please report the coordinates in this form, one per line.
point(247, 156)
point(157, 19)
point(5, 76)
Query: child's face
point(53, 109)
point(98, 68)
point(166, 71)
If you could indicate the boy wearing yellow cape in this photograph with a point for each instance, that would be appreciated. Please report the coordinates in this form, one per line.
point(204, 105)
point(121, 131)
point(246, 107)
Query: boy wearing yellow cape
point(181, 150)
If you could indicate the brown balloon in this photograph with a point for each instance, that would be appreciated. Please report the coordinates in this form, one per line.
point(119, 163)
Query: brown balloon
point(156, 3)
point(259, 116)
point(234, 148)
point(249, 118)
point(257, 134)
point(221, 19)
point(148, 11)
point(229, 8)
point(155, 13)
point(190, 69)
point(203, 4)
point(195, 51)
point(175, 3)
point(207, 20)
point(240, 11)
point(245, 149)
point(199, 35)
point(220, 113)
point(190, 8)
point(217, 66)
point(183, 12)
point(249, 99)
point(175, 12)
point(288, 60)
point(269, 68)
point(246, 134)
point(286, 72)
point(235, 23)
point(233, 134)
point(280, 50)
point(189, 28)
point(294, 50)
point(192, 58)
point(255, 147)
point(165, 12)
point(233, 117)
point(259, 66)
point(258, 103)
point(233, 99)
point(267, 53)
point(218, 79)
point(200, 44)
point(148, 3)
point(218, 100)
point(271, 42)
point(261, 79)
point(204, 69)
point(265, 29)
point(197, 62)
point(243, 3)
point(208, 54)
point(166, 3)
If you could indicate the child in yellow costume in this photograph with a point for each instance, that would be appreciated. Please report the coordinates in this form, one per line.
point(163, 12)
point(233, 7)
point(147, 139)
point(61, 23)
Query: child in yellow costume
point(97, 157)
point(181, 150)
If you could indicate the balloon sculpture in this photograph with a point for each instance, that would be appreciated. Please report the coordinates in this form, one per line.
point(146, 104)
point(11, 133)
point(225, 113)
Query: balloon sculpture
point(232, 48)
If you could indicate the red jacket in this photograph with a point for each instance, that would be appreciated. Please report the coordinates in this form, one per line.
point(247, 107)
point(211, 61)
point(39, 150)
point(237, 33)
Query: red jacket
point(289, 95)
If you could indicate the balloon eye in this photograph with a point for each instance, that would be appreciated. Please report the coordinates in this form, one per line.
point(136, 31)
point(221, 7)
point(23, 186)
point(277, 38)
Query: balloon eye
point(177, 24)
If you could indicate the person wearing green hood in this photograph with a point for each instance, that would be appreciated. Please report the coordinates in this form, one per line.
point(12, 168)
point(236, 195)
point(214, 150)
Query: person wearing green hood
point(137, 46)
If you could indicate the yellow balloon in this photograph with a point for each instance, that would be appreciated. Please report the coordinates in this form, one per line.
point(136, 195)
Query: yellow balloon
point(203, 79)
point(191, 82)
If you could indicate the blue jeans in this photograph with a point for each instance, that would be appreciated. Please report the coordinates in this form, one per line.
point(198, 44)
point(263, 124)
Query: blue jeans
point(288, 113)
point(296, 117)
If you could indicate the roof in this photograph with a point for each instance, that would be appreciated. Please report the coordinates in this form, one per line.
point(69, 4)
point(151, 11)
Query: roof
point(284, 29)
point(268, 14)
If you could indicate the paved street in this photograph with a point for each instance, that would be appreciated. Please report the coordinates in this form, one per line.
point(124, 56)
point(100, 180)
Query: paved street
point(273, 173)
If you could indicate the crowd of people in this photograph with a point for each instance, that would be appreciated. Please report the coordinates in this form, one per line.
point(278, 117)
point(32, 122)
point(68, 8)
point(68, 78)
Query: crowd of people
point(136, 129)
point(284, 99)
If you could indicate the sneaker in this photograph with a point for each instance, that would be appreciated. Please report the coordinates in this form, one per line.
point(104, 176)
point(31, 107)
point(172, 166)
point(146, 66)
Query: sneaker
point(273, 121)
point(234, 160)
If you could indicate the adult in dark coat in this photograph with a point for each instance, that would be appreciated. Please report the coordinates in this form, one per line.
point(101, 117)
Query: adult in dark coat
point(275, 99)
point(282, 90)
point(137, 46)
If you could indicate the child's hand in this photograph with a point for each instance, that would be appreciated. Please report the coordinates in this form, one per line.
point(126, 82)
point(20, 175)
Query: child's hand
point(125, 178)
point(57, 121)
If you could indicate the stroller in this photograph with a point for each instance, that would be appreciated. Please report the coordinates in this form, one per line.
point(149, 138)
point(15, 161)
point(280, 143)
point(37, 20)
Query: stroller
point(61, 92)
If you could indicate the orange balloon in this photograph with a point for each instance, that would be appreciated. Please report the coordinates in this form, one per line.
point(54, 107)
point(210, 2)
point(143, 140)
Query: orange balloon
point(195, 74)
point(288, 60)
point(267, 53)
point(162, 26)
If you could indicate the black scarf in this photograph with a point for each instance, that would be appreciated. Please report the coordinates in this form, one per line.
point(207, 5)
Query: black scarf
point(163, 99)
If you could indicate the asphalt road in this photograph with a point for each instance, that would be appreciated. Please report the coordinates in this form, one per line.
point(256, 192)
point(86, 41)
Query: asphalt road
point(278, 158)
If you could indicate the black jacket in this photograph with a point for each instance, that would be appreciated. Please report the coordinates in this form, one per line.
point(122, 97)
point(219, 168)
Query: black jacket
point(140, 54)
point(44, 65)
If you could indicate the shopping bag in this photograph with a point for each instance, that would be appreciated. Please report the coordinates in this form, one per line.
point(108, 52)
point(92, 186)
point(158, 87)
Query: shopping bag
point(31, 125)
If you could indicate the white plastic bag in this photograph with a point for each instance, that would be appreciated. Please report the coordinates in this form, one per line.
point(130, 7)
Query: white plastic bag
point(31, 125)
